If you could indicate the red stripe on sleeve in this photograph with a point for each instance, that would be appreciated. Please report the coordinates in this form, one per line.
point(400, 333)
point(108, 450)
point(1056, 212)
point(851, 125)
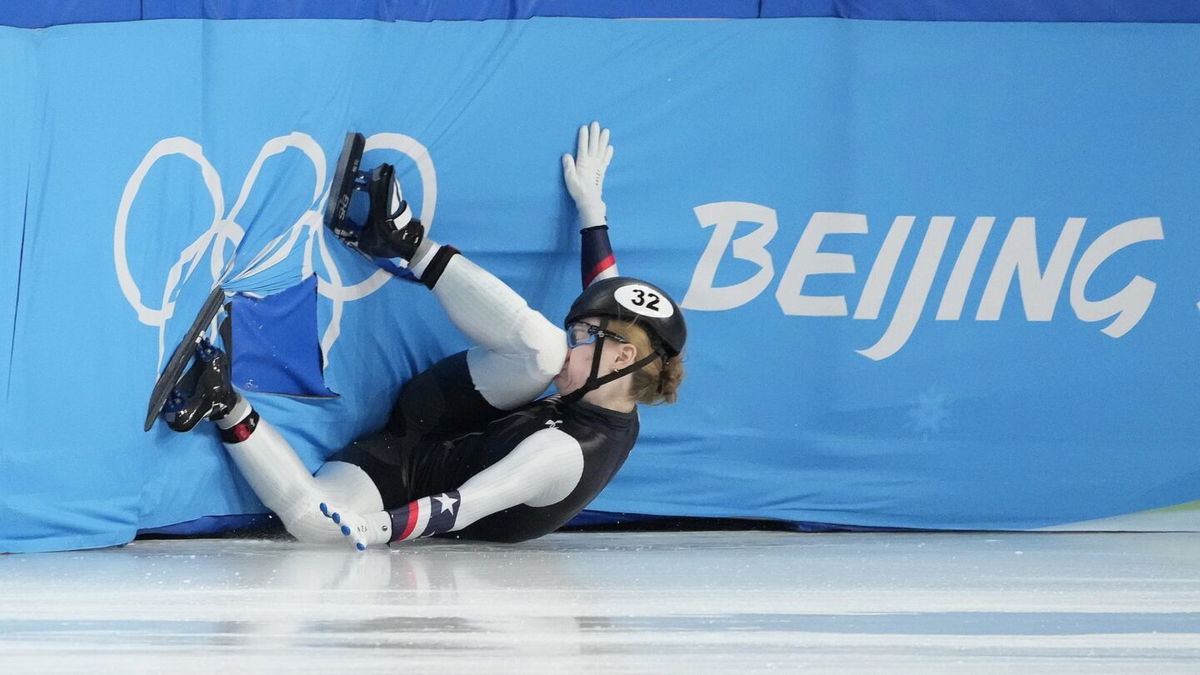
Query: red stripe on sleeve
point(414, 509)
point(599, 269)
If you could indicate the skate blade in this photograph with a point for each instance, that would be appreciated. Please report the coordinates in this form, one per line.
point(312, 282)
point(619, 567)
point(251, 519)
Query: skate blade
point(337, 206)
point(182, 356)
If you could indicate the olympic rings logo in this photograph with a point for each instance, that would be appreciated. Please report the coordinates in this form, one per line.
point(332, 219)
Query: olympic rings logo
point(220, 241)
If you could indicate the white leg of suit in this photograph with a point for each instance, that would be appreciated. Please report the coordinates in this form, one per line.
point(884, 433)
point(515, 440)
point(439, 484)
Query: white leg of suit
point(276, 474)
point(519, 352)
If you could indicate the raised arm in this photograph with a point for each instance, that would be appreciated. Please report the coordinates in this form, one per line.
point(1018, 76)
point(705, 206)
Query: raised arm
point(584, 177)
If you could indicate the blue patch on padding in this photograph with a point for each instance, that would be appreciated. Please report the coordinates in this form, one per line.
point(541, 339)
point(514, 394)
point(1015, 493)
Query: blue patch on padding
point(275, 348)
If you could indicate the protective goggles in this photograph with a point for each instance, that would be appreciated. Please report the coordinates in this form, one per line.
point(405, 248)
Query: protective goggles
point(584, 333)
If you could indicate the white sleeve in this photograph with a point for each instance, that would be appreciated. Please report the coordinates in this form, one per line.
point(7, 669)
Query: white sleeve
point(542, 470)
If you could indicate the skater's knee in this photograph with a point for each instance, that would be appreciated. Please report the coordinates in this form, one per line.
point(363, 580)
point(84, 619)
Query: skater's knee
point(350, 486)
point(545, 346)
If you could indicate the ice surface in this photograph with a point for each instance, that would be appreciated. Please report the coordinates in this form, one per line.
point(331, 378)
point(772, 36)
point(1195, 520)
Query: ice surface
point(640, 602)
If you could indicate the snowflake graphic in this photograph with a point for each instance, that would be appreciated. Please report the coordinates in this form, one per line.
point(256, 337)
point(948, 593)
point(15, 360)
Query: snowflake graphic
point(930, 413)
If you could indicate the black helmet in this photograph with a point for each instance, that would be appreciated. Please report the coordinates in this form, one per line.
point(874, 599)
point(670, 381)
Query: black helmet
point(629, 299)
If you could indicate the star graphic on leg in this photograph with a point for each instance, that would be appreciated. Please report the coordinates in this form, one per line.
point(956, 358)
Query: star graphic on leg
point(447, 502)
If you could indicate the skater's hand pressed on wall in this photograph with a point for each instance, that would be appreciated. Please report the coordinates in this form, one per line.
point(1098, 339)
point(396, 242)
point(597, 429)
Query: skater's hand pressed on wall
point(584, 174)
point(360, 531)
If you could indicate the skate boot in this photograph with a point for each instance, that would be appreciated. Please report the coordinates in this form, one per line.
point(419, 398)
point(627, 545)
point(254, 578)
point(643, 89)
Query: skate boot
point(203, 392)
point(366, 212)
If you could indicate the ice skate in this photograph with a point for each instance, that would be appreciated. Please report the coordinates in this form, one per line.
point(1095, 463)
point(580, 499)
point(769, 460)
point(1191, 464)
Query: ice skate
point(184, 352)
point(204, 391)
point(366, 212)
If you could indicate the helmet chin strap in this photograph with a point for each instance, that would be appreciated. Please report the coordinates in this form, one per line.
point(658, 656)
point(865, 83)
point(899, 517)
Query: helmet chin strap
point(593, 381)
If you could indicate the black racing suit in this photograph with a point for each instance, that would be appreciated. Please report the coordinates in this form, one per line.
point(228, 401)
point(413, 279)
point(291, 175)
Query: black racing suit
point(442, 433)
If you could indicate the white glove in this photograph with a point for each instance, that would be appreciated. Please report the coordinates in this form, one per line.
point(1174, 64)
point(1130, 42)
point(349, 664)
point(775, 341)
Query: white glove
point(584, 174)
point(360, 531)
